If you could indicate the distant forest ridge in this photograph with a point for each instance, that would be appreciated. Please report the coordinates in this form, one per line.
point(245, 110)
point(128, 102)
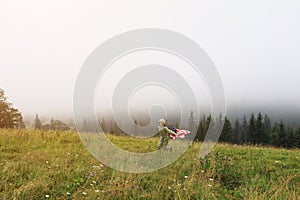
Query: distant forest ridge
point(255, 129)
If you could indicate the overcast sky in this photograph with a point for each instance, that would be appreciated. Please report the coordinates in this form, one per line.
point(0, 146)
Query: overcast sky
point(254, 44)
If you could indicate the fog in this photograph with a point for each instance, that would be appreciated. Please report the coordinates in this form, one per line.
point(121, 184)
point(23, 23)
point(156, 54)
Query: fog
point(254, 45)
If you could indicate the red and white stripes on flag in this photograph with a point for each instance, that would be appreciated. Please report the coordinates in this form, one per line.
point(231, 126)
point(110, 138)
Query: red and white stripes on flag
point(179, 134)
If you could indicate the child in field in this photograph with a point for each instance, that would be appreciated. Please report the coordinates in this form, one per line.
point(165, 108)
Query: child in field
point(168, 131)
point(164, 133)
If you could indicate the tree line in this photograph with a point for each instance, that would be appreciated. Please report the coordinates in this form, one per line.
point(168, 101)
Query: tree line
point(255, 130)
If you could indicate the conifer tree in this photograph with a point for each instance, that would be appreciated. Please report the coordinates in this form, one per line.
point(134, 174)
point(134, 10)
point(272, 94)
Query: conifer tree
point(226, 135)
point(244, 130)
point(237, 135)
point(259, 129)
point(268, 127)
point(252, 130)
point(282, 134)
point(37, 122)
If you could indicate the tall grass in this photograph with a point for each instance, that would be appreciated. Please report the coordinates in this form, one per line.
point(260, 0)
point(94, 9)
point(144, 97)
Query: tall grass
point(55, 165)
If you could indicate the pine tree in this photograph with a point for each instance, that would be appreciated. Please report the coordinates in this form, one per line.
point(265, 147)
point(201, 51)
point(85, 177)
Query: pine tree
point(207, 123)
point(252, 130)
point(259, 129)
point(274, 136)
point(275, 128)
point(226, 135)
point(191, 121)
point(290, 138)
point(268, 128)
point(237, 135)
point(274, 139)
point(282, 134)
point(37, 122)
point(297, 138)
point(244, 130)
point(202, 128)
point(21, 123)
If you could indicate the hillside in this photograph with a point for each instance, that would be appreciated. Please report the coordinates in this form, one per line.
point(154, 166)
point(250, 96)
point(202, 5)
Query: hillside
point(55, 165)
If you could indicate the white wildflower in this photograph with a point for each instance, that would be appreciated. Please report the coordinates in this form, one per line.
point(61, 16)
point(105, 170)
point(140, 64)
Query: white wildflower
point(47, 196)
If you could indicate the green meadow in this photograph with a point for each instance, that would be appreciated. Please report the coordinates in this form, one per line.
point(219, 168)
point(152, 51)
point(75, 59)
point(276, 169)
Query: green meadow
point(56, 165)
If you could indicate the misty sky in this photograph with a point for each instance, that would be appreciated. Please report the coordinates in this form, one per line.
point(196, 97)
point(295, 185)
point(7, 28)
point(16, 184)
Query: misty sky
point(255, 45)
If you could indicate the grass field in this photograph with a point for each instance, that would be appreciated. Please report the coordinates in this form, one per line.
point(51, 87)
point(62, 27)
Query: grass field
point(55, 165)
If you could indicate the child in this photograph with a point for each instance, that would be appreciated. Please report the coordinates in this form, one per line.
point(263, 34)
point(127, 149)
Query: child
point(164, 133)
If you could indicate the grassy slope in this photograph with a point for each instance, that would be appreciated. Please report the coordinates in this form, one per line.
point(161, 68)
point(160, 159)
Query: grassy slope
point(36, 164)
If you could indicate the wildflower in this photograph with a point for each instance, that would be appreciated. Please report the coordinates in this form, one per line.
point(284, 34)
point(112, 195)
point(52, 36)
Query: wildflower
point(211, 179)
point(209, 185)
point(84, 193)
point(47, 162)
point(97, 191)
point(169, 188)
point(202, 171)
point(94, 182)
point(185, 176)
point(68, 193)
point(47, 196)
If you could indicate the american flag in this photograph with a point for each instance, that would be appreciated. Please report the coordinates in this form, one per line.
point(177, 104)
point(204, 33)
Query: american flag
point(178, 133)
